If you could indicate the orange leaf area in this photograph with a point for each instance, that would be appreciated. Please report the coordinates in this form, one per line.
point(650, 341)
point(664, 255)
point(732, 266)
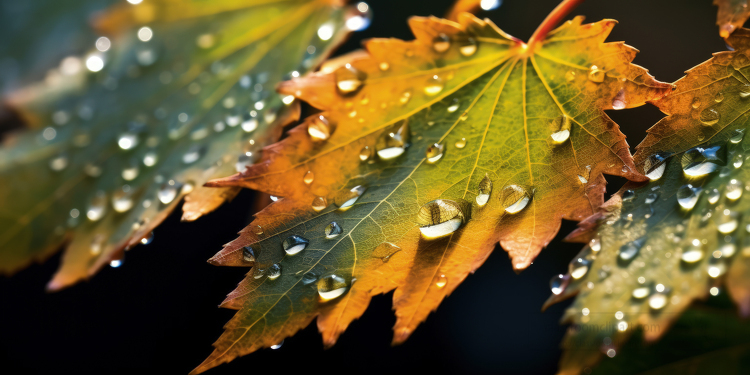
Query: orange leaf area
point(426, 155)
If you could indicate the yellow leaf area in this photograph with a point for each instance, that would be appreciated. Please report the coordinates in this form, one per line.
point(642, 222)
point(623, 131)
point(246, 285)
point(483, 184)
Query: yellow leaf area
point(464, 134)
point(656, 248)
point(731, 16)
point(180, 101)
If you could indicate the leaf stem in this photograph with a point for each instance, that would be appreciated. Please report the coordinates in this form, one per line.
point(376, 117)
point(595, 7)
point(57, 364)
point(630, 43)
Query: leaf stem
point(562, 10)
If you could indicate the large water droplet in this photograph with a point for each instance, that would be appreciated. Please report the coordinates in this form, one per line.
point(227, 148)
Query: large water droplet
point(710, 116)
point(319, 203)
point(441, 281)
point(308, 178)
point(727, 221)
point(561, 132)
point(347, 198)
point(579, 267)
point(122, 201)
point(693, 253)
point(655, 165)
point(433, 86)
point(331, 286)
point(713, 196)
point(515, 198)
point(434, 153)
point(737, 136)
point(441, 43)
point(274, 271)
point(294, 244)
point(559, 283)
point(167, 193)
point(734, 189)
point(442, 217)
point(629, 251)
point(468, 47)
point(657, 301)
point(700, 161)
point(687, 196)
point(484, 190)
point(320, 128)
point(392, 144)
point(349, 79)
point(333, 230)
point(248, 254)
point(595, 74)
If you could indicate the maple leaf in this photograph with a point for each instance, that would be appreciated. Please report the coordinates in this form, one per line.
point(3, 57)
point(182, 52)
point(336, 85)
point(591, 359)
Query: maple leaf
point(187, 95)
point(656, 248)
point(466, 134)
point(732, 15)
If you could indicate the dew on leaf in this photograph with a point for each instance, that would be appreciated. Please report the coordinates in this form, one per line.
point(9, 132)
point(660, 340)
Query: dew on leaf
point(333, 230)
point(515, 198)
point(331, 287)
point(442, 217)
point(434, 153)
point(484, 191)
point(433, 86)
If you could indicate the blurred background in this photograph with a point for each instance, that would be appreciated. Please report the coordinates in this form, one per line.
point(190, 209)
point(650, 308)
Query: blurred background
point(157, 313)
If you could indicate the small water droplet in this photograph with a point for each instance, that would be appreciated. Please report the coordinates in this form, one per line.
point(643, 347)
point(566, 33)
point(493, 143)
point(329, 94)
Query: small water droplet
point(561, 129)
point(628, 195)
point(309, 278)
point(405, 97)
point(148, 239)
point(454, 105)
point(719, 97)
point(167, 193)
point(696, 103)
point(98, 206)
point(737, 136)
point(655, 165)
point(693, 253)
point(384, 66)
point(294, 244)
point(727, 221)
point(319, 203)
point(710, 116)
point(468, 47)
point(392, 144)
point(59, 162)
point(433, 86)
point(248, 254)
point(127, 141)
point(333, 230)
point(347, 198)
point(365, 154)
point(441, 281)
point(595, 74)
point(442, 217)
point(308, 178)
point(320, 128)
point(737, 160)
point(641, 292)
point(651, 198)
point(744, 90)
point(274, 271)
point(713, 196)
point(579, 267)
point(515, 198)
point(570, 76)
point(331, 287)
point(734, 189)
point(595, 244)
point(699, 161)
point(716, 267)
point(484, 190)
point(349, 80)
point(687, 196)
point(441, 43)
point(122, 201)
point(657, 301)
point(461, 143)
point(434, 153)
point(629, 251)
point(559, 283)
point(277, 346)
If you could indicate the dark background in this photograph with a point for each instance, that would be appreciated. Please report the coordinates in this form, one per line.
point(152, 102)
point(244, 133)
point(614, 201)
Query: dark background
point(158, 312)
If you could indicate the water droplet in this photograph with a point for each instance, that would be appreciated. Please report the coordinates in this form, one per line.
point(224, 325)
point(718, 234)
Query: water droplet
point(384, 66)
point(651, 198)
point(619, 101)
point(347, 198)
point(699, 161)
point(515, 198)
point(434, 153)
point(461, 143)
point(710, 116)
point(58, 163)
point(719, 97)
point(657, 301)
point(392, 144)
point(333, 230)
point(737, 160)
point(405, 97)
point(148, 239)
point(441, 43)
point(441, 281)
point(385, 251)
point(433, 86)
point(595, 74)
point(579, 267)
point(737, 136)
point(167, 193)
point(713, 196)
point(349, 79)
point(628, 195)
point(693, 253)
point(309, 278)
point(277, 346)
point(727, 221)
point(734, 189)
point(248, 254)
point(308, 178)
point(442, 217)
point(687, 196)
point(484, 190)
point(274, 271)
point(127, 141)
point(365, 154)
point(629, 251)
point(559, 283)
point(561, 126)
point(122, 201)
point(595, 244)
point(98, 206)
point(319, 203)
point(468, 47)
point(655, 165)
point(454, 105)
point(716, 267)
point(331, 287)
point(320, 128)
point(696, 103)
point(570, 76)
point(294, 244)
point(641, 292)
